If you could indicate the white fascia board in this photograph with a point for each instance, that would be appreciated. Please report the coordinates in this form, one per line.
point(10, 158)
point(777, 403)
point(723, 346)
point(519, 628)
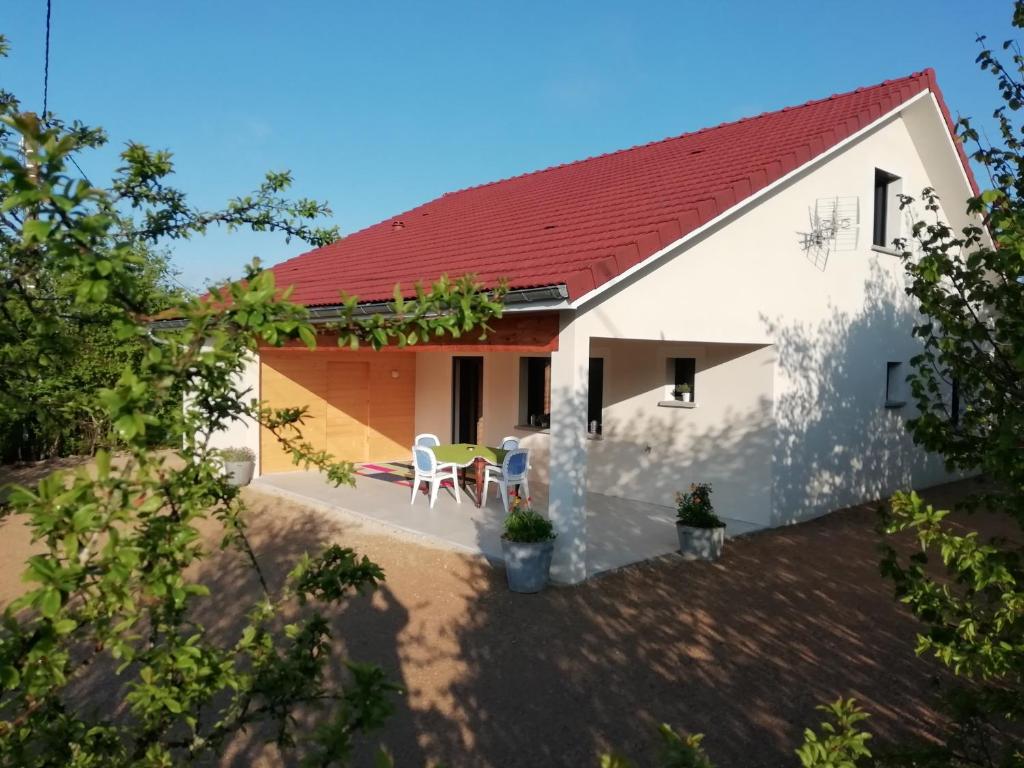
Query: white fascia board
point(952, 145)
point(537, 306)
point(751, 200)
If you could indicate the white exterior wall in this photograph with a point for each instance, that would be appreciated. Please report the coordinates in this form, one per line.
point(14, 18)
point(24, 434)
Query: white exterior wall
point(243, 433)
point(648, 451)
point(826, 334)
point(500, 403)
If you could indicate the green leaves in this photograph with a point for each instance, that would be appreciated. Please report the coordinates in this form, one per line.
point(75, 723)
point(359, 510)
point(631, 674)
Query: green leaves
point(114, 586)
point(334, 574)
point(968, 590)
point(841, 743)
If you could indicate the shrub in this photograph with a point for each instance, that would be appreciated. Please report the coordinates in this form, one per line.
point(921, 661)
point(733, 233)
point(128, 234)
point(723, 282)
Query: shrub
point(694, 509)
point(238, 454)
point(526, 526)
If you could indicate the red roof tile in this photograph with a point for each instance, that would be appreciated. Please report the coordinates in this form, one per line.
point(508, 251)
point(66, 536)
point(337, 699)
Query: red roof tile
point(583, 223)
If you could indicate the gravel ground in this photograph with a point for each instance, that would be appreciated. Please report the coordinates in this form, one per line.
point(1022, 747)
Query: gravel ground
point(741, 650)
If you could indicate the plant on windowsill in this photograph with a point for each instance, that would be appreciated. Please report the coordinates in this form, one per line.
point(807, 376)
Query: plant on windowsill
point(527, 545)
point(701, 531)
point(239, 465)
point(682, 393)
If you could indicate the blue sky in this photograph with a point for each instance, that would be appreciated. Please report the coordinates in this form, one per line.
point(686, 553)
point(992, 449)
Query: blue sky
point(377, 107)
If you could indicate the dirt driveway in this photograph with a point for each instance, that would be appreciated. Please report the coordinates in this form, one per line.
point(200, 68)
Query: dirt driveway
point(741, 650)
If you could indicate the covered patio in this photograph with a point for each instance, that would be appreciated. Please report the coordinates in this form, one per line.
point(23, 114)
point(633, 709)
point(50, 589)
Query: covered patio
point(618, 531)
point(609, 443)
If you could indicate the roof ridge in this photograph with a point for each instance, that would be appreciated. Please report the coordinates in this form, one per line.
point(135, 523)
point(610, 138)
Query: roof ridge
point(927, 73)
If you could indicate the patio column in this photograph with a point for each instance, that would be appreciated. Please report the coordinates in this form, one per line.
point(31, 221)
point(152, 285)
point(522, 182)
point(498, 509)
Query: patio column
point(570, 366)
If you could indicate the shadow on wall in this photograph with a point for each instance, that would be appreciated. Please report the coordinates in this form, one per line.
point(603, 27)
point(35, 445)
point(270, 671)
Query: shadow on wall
point(817, 436)
point(837, 443)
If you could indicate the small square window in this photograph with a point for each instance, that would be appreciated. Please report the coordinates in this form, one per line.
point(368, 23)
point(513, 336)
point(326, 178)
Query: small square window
point(682, 378)
point(895, 386)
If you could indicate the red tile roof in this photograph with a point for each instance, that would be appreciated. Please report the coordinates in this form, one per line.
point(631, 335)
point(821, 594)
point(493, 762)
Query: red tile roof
point(583, 223)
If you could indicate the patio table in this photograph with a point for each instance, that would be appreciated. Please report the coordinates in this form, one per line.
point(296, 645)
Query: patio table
point(466, 454)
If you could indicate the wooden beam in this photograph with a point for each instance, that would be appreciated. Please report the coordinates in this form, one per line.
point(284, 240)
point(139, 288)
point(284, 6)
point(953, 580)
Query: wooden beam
point(520, 332)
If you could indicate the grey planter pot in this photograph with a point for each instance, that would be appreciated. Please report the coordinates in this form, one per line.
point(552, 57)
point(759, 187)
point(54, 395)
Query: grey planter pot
point(700, 543)
point(239, 473)
point(527, 565)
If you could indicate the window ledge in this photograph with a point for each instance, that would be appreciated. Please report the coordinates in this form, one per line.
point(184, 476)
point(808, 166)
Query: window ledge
point(885, 249)
point(547, 431)
point(676, 404)
point(895, 403)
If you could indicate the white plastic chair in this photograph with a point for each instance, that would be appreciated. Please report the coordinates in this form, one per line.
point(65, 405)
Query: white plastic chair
point(509, 443)
point(511, 473)
point(426, 439)
point(429, 471)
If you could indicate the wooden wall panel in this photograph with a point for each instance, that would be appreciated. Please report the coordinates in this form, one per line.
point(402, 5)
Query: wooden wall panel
point(392, 406)
point(348, 410)
point(291, 381)
point(358, 410)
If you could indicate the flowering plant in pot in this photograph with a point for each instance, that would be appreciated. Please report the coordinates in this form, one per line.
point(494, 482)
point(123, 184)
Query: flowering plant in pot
point(239, 464)
point(701, 531)
point(682, 392)
point(527, 544)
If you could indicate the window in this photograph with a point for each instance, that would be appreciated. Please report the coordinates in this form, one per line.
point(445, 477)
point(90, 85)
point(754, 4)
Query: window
point(894, 385)
point(954, 403)
point(595, 395)
point(535, 391)
point(682, 373)
point(886, 209)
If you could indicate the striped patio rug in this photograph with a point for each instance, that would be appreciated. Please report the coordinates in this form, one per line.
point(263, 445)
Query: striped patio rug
point(397, 472)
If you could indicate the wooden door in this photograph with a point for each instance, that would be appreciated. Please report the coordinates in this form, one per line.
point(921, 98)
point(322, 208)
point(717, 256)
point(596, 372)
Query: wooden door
point(348, 410)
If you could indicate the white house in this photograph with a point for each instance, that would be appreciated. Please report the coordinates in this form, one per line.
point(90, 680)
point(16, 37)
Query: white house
point(751, 261)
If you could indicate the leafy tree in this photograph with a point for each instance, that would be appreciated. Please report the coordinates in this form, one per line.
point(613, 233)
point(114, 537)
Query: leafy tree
point(53, 412)
point(968, 383)
point(110, 593)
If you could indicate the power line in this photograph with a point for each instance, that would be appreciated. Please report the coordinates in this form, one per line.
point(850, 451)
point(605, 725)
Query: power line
point(75, 163)
point(46, 84)
point(46, 60)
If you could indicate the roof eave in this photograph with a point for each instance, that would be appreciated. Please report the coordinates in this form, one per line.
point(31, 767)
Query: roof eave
point(538, 299)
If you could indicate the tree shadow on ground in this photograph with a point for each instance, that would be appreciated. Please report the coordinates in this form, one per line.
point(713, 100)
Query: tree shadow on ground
point(744, 649)
point(365, 627)
point(741, 650)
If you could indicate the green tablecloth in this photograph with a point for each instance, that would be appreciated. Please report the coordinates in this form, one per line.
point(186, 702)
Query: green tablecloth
point(463, 454)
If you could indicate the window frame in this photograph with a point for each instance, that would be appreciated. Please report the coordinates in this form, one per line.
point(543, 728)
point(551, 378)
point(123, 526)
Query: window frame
point(675, 374)
point(895, 384)
point(885, 212)
point(528, 378)
point(599, 409)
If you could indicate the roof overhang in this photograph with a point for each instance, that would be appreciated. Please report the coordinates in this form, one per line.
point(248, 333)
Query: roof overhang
point(539, 299)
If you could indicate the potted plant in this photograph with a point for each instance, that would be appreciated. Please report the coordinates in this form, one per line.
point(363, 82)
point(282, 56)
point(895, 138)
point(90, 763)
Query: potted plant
point(682, 392)
point(239, 464)
point(701, 531)
point(527, 544)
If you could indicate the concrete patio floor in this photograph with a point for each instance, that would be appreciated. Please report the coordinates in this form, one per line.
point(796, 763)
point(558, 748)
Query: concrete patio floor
point(619, 531)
